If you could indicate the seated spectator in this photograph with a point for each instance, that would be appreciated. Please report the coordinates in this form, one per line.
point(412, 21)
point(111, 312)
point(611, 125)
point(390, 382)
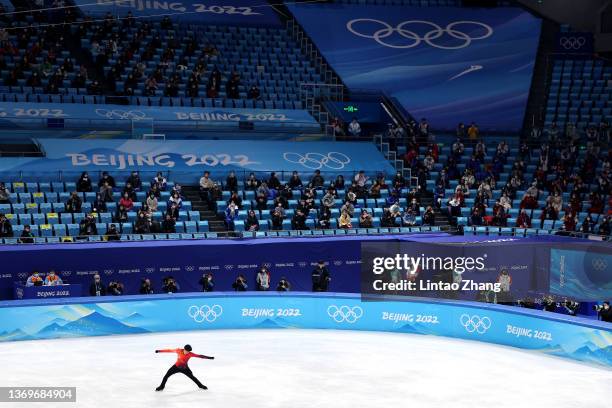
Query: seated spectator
point(231, 183)
point(365, 219)
point(409, 218)
point(5, 195)
point(240, 284)
point(454, 206)
point(251, 223)
point(261, 202)
point(97, 288)
point(344, 221)
point(298, 222)
point(74, 203)
point(126, 202)
point(388, 220)
point(106, 192)
point(530, 199)
point(254, 92)
point(231, 215)
point(429, 218)
point(317, 180)
point(548, 213)
point(142, 225)
point(135, 181)
point(6, 229)
point(339, 182)
point(604, 226)
point(129, 190)
point(52, 279)
point(26, 235)
point(588, 224)
point(121, 215)
point(99, 205)
point(152, 202)
point(146, 288)
point(35, 279)
point(348, 208)
point(237, 200)
point(597, 203)
point(159, 181)
point(112, 234)
point(295, 182)
point(499, 218)
point(278, 215)
point(476, 217)
point(206, 185)
point(87, 226)
point(169, 285)
point(523, 220)
point(263, 279)
point(207, 282)
point(324, 221)
point(156, 192)
point(283, 285)
point(84, 183)
point(354, 128)
point(252, 183)
point(175, 200)
point(168, 225)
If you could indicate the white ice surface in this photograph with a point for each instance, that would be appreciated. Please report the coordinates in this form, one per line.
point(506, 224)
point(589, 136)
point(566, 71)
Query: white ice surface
point(303, 368)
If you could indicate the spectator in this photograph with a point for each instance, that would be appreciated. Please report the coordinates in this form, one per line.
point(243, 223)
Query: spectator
point(35, 280)
point(324, 221)
point(231, 215)
point(135, 181)
point(263, 279)
point(99, 205)
point(354, 128)
point(97, 288)
point(348, 208)
point(84, 183)
point(175, 200)
point(429, 218)
point(152, 202)
point(523, 220)
point(365, 219)
point(129, 189)
point(587, 225)
point(106, 192)
point(52, 279)
point(115, 288)
point(252, 183)
point(298, 222)
point(121, 215)
point(254, 92)
point(283, 285)
point(231, 183)
point(295, 182)
point(126, 202)
point(409, 218)
point(240, 284)
point(317, 180)
point(159, 181)
point(108, 179)
point(5, 195)
point(87, 226)
point(74, 203)
point(339, 182)
point(604, 312)
point(6, 229)
point(146, 288)
point(169, 285)
point(278, 216)
point(142, 225)
point(206, 185)
point(168, 225)
point(26, 235)
point(388, 220)
point(320, 278)
point(604, 226)
point(112, 234)
point(207, 282)
point(251, 223)
point(344, 221)
point(473, 132)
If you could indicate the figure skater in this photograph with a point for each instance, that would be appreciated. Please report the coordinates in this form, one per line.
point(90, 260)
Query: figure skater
point(183, 356)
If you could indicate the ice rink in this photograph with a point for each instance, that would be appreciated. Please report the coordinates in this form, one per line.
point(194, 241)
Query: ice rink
point(303, 368)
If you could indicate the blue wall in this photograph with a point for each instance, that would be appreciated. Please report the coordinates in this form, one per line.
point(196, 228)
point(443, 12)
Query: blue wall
point(575, 338)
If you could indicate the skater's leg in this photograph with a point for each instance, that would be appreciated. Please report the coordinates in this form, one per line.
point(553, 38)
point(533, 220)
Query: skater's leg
point(189, 374)
point(173, 370)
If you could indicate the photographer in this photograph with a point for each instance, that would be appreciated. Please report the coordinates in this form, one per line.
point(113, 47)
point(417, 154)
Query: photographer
point(262, 279)
point(169, 285)
point(207, 283)
point(320, 278)
point(146, 288)
point(570, 306)
point(549, 304)
point(604, 312)
point(115, 289)
point(283, 285)
point(240, 284)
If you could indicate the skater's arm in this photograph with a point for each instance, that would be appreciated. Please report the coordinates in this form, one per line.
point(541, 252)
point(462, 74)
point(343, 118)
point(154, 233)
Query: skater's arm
point(203, 356)
point(166, 351)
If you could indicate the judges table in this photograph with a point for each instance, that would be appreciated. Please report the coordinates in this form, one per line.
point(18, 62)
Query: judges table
point(22, 291)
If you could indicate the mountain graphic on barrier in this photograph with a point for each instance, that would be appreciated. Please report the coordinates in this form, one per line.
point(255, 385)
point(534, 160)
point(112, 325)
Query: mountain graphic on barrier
point(92, 324)
point(268, 324)
point(408, 328)
point(16, 335)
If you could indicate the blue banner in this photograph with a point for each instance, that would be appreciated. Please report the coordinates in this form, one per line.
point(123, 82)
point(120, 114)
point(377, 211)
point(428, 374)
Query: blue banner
point(569, 337)
point(582, 274)
point(445, 64)
point(575, 43)
point(242, 12)
point(22, 291)
point(103, 115)
point(195, 157)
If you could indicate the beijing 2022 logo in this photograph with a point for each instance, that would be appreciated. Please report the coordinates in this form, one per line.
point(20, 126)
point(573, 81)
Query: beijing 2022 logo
point(412, 39)
point(205, 313)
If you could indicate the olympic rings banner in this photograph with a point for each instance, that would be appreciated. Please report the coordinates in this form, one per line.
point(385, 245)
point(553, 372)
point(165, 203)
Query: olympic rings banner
point(576, 338)
point(442, 63)
point(243, 12)
point(575, 43)
point(196, 156)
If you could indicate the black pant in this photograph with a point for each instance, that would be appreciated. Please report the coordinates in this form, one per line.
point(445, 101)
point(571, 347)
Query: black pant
point(185, 370)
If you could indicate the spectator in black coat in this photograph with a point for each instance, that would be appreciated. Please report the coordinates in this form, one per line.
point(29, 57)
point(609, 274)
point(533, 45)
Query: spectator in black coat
point(146, 288)
point(240, 284)
point(115, 289)
point(97, 288)
point(231, 183)
point(112, 234)
point(605, 312)
point(134, 180)
point(207, 282)
point(168, 225)
point(26, 235)
point(320, 278)
point(87, 226)
point(170, 285)
point(84, 183)
point(108, 178)
point(6, 229)
point(74, 203)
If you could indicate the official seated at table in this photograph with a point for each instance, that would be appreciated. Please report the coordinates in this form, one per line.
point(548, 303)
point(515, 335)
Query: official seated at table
point(52, 279)
point(35, 280)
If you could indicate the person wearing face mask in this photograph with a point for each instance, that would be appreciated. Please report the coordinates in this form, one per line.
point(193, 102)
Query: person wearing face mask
point(35, 279)
point(52, 279)
point(262, 279)
point(97, 288)
point(142, 225)
point(84, 183)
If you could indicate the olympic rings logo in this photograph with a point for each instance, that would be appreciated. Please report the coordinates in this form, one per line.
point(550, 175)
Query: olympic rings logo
point(315, 161)
point(345, 313)
point(121, 114)
point(415, 39)
point(599, 264)
point(205, 313)
point(475, 323)
point(572, 43)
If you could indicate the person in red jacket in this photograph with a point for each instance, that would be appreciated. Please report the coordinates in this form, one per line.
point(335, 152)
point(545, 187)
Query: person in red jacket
point(183, 356)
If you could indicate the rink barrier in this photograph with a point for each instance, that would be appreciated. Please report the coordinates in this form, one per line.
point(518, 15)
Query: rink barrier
point(559, 335)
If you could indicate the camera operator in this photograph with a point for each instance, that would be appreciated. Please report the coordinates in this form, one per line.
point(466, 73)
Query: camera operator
point(527, 303)
point(549, 304)
point(115, 288)
point(240, 284)
point(570, 306)
point(145, 287)
point(604, 312)
point(170, 285)
point(207, 283)
point(283, 285)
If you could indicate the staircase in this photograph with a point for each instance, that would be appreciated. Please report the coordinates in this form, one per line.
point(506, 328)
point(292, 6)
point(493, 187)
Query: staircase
point(215, 222)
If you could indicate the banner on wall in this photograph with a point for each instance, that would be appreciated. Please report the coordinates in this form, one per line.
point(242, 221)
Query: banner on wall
point(575, 43)
point(249, 12)
point(446, 64)
point(577, 338)
point(582, 274)
point(197, 156)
